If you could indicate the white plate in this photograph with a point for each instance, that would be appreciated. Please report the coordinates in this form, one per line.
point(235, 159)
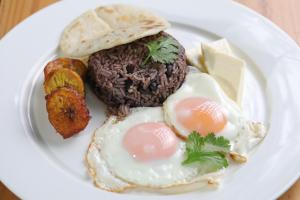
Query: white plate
point(35, 163)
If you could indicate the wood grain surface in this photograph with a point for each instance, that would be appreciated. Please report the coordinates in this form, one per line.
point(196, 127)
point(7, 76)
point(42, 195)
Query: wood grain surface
point(284, 13)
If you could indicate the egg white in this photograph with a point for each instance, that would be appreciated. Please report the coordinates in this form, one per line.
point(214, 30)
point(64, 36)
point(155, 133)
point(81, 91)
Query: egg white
point(100, 172)
point(157, 173)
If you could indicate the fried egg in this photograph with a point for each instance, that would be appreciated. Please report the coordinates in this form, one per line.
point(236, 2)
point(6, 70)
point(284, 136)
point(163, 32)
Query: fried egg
point(201, 105)
point(143, 150)
point(140, 151)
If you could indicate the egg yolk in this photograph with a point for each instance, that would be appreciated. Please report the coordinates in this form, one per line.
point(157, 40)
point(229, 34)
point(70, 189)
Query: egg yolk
point(150, 141)
point(200, 114)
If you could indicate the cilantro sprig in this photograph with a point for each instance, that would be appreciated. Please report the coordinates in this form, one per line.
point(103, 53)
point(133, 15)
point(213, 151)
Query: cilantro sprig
point(164, 50)
point(208, 152)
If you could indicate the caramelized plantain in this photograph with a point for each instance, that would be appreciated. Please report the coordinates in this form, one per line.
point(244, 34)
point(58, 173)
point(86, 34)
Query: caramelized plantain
point(74, 64)
point(67, 111)
point(63, 77)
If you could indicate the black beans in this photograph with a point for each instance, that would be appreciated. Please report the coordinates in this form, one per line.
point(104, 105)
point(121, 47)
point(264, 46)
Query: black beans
point(116, 77)
point(130, 68)
point(153, 86)
point(169, 70)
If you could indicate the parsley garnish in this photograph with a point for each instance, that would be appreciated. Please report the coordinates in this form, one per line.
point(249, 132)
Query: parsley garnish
point(209, 151)
point(164, 50)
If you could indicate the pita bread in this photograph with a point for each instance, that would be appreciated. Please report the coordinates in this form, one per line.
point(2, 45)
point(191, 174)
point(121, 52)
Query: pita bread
point(107, 27)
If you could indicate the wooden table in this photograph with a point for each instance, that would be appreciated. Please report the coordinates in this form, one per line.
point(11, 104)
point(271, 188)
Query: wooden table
point(284, 13)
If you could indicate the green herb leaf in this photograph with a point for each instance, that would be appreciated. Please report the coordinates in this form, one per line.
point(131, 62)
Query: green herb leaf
point(207, 161)
point(209, 152)
point(164, 50)
point(213, 143)
point(194, 142)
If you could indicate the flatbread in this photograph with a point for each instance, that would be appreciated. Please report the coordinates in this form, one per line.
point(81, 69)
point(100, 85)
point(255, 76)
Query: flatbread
point(107, 27)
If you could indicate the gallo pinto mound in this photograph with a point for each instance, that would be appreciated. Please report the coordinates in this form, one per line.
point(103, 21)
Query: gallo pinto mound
point(120, 77)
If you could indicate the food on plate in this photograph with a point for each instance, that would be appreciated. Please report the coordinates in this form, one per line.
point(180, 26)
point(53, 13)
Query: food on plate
point(132, 62)
point(135, 67)
point(220, 45)
point(67, 111)
point(141, 151)
point(63, 77)
point(74, 64)
point(106, 27)
point(209, 152)
point(194, 58)
point(218, 59)
point(201, 105)
point(237, 157)
point(142, 73)
point(225, 67)
point(64, 88)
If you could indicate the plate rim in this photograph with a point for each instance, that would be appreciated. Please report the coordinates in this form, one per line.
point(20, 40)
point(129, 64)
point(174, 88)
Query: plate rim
point(29, 20)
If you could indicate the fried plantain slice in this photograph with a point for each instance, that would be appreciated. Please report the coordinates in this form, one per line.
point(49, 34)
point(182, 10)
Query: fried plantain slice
point(63, 77)
point(67, 111)
point(74, 64)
